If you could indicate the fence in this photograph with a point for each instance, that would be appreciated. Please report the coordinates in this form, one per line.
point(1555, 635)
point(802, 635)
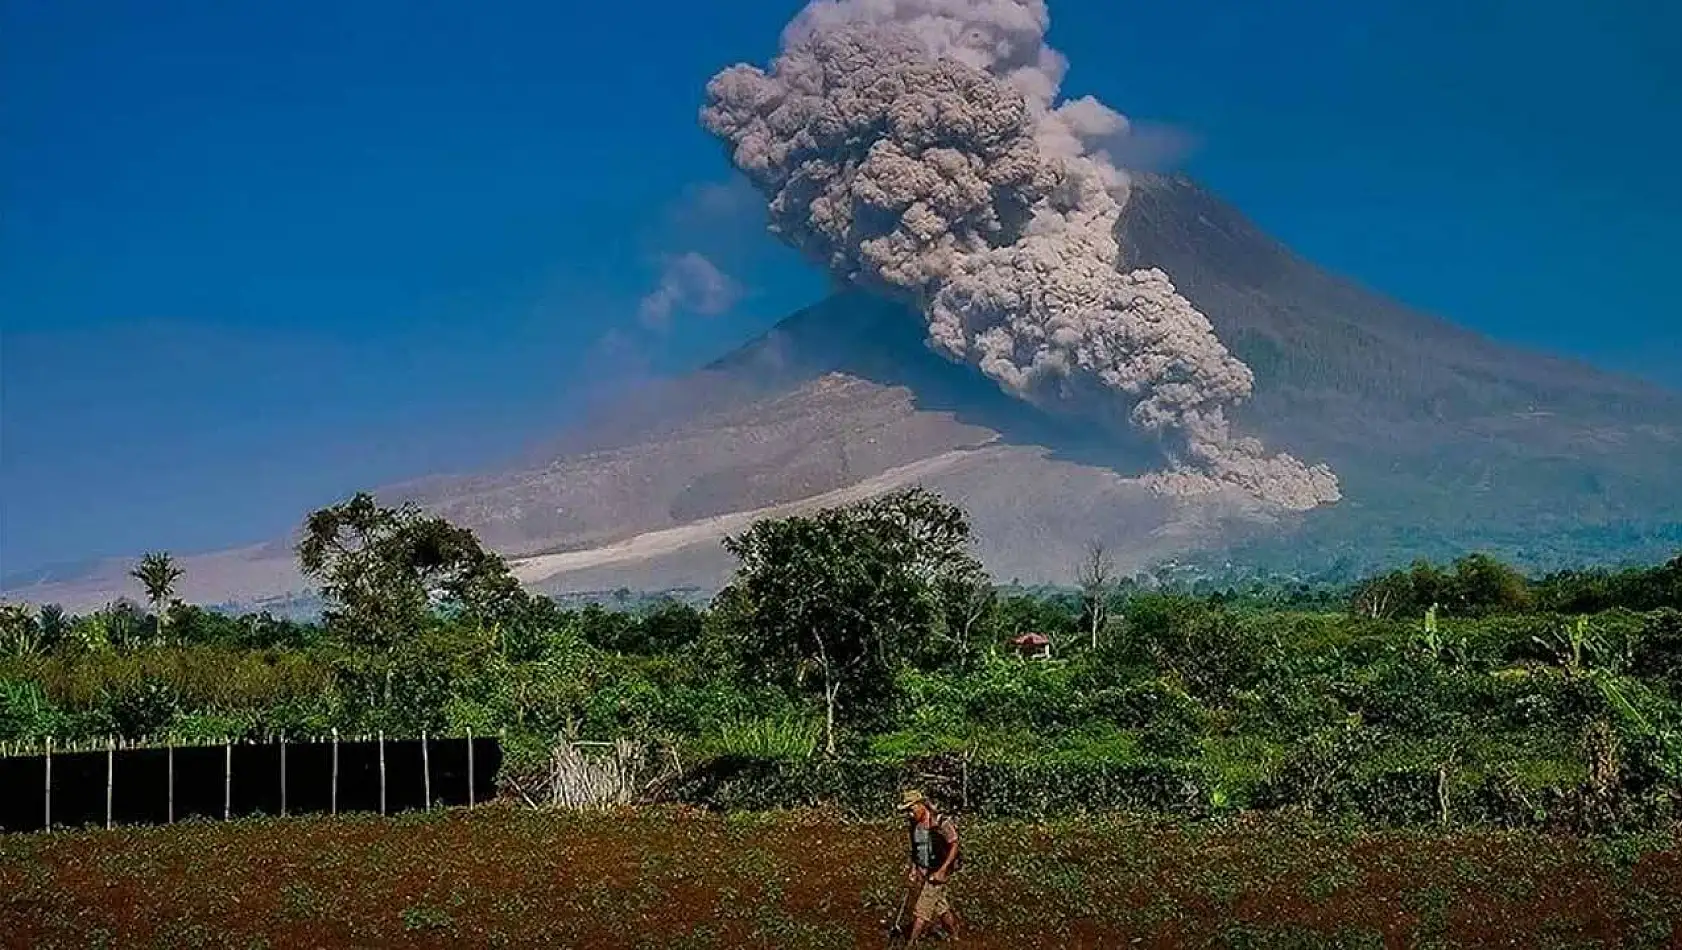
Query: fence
point(113, 785)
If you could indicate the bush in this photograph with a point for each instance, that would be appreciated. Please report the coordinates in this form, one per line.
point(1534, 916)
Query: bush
point(1319, 774)
point(785, 738)
point(146, 711)
point(1169, 721)
point(1016, 790)
point(1011, 693)
point(1658, 649)
point(26, 714)
point(1216, 654)
point(1412, 695)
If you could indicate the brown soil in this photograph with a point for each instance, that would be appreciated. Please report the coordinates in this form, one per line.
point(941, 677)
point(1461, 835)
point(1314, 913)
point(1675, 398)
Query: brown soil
point(672, 879)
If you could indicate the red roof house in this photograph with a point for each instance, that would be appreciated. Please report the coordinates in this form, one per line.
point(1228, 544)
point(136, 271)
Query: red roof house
point(1033, 646)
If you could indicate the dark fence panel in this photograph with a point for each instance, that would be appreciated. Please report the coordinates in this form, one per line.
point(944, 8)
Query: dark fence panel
point(141, 787)
point(22, 793)
point(449, 771)
point(79, 789)
point(309, 777)
point(199, 773)
point(405, 778)
point(140, 790)
point(487, 759)
point(359, 776)
point(256, 780)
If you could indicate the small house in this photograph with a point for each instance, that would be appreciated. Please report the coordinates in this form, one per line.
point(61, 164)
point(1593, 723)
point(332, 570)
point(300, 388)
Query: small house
point(1032, 646)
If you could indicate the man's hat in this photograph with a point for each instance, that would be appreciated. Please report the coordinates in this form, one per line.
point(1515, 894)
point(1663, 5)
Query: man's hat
point(909, 798)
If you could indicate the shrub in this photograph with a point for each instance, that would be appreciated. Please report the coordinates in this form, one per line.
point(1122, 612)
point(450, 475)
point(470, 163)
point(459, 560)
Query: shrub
point(1169, 721)
point(1011, 693)
point(1319, 774)
point(1216, 654)
point(1411, 694)
point(784, 738)
point(1027, 790)
point(1658, 650)
point(27, 714)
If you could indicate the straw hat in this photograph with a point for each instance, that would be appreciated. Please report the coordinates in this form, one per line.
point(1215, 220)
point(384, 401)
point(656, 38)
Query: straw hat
point(909, 798)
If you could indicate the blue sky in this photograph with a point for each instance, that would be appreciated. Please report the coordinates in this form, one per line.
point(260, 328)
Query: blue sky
point(256, 256)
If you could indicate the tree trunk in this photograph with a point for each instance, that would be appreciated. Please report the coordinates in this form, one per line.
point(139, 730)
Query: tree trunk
point(830, 689)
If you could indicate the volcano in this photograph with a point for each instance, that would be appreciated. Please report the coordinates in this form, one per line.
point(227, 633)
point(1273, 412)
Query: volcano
point(1444, 441)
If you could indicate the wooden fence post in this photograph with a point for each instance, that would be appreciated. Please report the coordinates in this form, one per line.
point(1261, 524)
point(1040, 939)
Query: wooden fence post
point(172, 781)
point(49, 791)
point(227, 779)
point(382, 771)
point(426, 771)
point(470, 801)
point(334, 807)
point(283, 775)
point(110, 769)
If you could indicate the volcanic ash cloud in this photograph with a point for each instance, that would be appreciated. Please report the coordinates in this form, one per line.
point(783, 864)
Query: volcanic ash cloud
point(917, 146)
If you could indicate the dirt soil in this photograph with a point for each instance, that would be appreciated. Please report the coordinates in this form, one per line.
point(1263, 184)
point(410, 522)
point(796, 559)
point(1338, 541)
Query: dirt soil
point(676, 879)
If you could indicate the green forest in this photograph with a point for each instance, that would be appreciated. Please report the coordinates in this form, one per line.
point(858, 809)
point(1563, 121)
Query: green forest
point(860, 645)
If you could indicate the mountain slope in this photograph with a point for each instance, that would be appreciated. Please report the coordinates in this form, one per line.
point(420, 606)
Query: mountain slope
point(1444, 440)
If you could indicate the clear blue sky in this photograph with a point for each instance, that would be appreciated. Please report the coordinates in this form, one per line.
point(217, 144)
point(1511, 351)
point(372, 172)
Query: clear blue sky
point(254, 256)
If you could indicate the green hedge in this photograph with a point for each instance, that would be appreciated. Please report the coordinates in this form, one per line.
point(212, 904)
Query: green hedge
point(1023, 790)
point(1037, 790)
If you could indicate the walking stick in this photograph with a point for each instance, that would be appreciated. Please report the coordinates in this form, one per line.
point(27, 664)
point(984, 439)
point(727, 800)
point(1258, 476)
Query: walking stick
point(894, 933)
point(898, 932)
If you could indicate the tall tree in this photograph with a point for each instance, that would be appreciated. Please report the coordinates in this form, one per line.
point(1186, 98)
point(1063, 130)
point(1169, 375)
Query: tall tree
point(836, 599)
point(971, 605)
point(387, 572)
point(157, 573)
point(1096, 576)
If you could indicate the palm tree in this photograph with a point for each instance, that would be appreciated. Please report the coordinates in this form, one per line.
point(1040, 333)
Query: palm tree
point(54, 624)
point(157, 572)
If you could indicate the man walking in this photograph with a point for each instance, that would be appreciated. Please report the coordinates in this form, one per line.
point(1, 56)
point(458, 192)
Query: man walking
point(934, 856)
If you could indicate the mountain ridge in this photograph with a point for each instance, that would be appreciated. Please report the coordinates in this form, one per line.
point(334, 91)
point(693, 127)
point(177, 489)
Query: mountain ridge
point(1444, 438)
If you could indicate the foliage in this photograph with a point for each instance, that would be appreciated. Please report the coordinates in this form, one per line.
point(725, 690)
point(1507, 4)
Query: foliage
point(788, 737)
point(1458, 693)
point(20, 635)
point(386, 571)
point(26, 713)
point(1478, 585)
point(839, 598)
point(157, 573)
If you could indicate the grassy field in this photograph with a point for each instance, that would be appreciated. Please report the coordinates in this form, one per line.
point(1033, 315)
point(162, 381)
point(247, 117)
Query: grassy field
point(675, 879)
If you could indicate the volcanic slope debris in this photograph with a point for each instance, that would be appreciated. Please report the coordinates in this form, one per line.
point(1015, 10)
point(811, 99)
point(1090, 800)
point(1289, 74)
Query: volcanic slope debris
point(917, 147)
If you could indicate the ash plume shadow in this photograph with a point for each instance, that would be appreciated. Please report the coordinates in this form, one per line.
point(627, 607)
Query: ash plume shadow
point(872, 338)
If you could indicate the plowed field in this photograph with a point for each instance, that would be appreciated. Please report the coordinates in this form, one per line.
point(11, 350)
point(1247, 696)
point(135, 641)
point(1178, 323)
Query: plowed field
point(501, 877)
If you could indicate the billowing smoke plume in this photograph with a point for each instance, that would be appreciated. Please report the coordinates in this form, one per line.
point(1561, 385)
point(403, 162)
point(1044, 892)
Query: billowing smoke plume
point(918, 146)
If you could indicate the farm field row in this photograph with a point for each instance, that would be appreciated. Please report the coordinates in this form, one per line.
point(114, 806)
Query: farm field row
point(672, 879)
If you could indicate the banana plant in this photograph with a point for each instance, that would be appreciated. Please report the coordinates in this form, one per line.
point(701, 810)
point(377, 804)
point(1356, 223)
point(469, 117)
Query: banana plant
point(1664, 735)
point(1573, 645)
point(1431, 637)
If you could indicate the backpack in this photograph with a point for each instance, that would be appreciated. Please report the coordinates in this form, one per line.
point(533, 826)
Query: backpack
point(939, 846)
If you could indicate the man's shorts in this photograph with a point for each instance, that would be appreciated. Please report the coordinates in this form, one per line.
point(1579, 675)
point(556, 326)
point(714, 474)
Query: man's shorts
point(932, 902)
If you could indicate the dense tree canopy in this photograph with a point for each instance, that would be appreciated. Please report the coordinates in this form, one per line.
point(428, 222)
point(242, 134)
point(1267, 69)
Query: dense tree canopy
point(385, 571)
point(847, 594)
